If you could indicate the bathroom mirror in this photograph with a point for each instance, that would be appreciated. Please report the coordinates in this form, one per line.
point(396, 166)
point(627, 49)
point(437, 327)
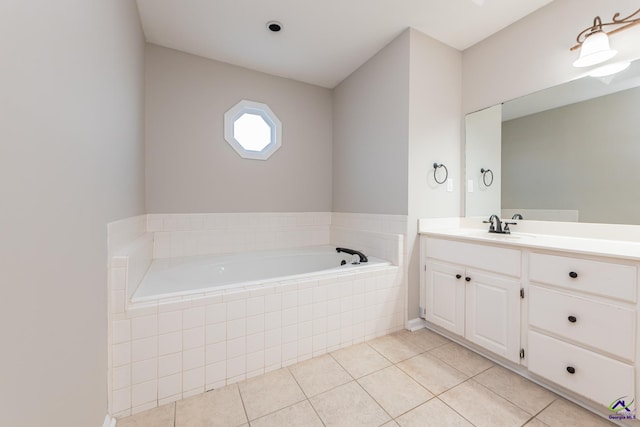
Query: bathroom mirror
point(567, 153)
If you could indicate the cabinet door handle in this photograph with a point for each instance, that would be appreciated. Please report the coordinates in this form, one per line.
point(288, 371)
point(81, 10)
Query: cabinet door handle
point(571, 370)
point(468, 279)
point(573, 274)
point(458, 276)
point(572, 319)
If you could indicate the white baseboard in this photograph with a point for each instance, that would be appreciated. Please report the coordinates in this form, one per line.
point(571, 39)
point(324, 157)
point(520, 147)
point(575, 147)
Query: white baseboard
point(415, 324)
point(109, 422)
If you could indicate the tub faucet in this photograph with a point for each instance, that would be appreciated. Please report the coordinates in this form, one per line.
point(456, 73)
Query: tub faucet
point(363, 257)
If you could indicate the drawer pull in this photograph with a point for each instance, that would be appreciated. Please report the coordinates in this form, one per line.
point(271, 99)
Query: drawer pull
point(573, 274)
point(458, 276)
point(571, 370)
point(572, 319)
point(468, 279)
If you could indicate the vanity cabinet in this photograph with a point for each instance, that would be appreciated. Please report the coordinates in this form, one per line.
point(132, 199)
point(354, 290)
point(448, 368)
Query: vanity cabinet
point(568, 306)
point(478, 296)
point(582, 325)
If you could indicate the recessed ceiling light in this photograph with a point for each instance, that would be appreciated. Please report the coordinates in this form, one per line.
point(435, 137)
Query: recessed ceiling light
point(274, 26)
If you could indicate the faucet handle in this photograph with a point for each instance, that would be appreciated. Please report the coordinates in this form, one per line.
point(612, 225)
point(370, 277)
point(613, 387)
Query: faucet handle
point(491, 227)
point(506, 226)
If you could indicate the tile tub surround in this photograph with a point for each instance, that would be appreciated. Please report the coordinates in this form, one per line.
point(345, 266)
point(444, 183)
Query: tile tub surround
point(360, 385)
point(210, 234)
point(175, 348)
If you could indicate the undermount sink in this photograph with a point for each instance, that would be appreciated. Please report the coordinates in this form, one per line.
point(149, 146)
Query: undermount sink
point(495, 236)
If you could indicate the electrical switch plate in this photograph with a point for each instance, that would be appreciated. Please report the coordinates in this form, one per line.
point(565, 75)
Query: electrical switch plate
point(470, 186)
point(450, 185)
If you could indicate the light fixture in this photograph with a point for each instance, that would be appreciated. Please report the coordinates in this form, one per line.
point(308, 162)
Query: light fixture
point(593, 41)
point(595, 49)
point(609, 69)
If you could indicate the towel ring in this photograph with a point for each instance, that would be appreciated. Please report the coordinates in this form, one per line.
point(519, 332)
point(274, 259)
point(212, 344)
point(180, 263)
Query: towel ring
point(446, 172)
point(484, 173)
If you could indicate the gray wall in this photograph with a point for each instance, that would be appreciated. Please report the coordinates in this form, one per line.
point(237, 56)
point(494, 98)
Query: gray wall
point(189, 165)
point(393, 118)
point(581, 157)
point(371, 133)
point(71, 160)
point(434, 136)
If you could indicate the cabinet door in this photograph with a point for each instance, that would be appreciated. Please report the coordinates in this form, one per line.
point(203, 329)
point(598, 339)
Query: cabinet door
point(444, 303)
point(493, 314)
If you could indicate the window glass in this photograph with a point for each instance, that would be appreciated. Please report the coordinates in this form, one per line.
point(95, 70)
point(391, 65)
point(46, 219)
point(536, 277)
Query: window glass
point(252, 130)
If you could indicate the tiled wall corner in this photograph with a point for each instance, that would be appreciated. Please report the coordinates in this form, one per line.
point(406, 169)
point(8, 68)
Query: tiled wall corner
point(121, 233)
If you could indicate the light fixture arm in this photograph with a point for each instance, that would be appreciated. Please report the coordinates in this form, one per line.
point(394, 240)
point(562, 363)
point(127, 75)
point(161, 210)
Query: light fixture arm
point(619, 23)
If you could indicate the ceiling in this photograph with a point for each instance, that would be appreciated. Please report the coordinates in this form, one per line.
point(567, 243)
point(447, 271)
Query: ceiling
point(322, 41)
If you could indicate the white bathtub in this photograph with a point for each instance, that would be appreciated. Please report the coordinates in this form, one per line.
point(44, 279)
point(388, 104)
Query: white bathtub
point(170, 277)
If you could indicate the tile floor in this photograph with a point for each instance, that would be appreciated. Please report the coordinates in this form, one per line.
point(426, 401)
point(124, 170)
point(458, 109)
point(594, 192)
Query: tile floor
point(402, 379)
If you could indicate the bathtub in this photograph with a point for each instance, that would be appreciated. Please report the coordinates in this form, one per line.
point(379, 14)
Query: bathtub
point(171, 277)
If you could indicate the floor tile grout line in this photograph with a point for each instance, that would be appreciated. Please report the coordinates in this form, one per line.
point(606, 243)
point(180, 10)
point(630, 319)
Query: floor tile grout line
point(329, 389)
point(433, 396)
point(403, 338)
point(316, 412)
point(506, 398)
point(454, 409)
point(368, 373)
point(175, 413)
point(380, 353)
point(244, 407)
point(376, 402)
point(467, 377)
point(437, 395)
point(288, 368)
point(395, 364)
point(543, 409)
point(285, 407)
point(415, 381)
point(307, 398)
point(433, 392)
point(464, 373)
point(498, 396)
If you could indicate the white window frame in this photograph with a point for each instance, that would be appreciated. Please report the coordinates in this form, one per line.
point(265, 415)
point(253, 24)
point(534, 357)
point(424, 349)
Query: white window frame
point(262, 110)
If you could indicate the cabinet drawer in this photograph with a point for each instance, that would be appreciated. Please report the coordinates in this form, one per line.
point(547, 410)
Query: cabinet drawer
point(599, 278)
point(596, 377)
point(485, 257)
point(603, 326)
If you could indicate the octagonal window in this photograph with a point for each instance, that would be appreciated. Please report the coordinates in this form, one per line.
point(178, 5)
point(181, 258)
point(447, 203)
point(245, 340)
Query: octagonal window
point(253, 130)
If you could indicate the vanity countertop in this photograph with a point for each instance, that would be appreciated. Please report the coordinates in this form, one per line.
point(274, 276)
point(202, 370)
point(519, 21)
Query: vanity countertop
point(580, 245)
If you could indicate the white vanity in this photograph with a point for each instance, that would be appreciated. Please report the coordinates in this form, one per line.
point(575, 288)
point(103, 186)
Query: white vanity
point(554, 307)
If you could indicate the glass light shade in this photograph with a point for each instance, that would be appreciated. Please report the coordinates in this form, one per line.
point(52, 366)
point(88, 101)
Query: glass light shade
point(595, 49)
point(609, 69)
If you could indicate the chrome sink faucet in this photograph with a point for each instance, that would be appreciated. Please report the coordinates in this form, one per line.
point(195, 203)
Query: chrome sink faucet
point(496, 225)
